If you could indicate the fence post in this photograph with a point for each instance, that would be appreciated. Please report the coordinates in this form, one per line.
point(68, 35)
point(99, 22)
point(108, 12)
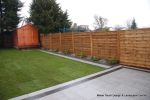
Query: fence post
point(91, 44)
point(41, 40)
point(73, 43)
point(50, 37)
point(118, 45)
point(60, 48)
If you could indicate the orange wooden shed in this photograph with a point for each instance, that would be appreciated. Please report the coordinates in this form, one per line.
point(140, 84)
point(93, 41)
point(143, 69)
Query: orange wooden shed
point(26, 37)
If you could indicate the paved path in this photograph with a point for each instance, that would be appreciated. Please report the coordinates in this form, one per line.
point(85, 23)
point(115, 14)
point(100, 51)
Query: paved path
point(121, 84)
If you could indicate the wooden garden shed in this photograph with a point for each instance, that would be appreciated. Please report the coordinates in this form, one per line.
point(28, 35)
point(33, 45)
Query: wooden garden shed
point(26, 37)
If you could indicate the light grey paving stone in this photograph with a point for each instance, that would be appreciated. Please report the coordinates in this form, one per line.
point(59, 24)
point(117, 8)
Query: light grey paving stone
point(141, 87)
point(72, 95)
point(55, 96)
point(97, 86)
point(87, 93)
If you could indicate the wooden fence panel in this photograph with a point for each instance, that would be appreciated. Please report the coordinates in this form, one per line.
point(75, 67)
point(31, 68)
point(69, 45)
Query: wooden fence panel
point(56, 41)
point(135, 48)
point(82, 43)
point(105, 45)
point(45, 41)
point(67, 42)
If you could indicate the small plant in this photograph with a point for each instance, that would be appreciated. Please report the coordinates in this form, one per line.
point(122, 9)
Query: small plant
point(113, 61)
point(55, 50)
point(82, 55)
point(66, 52)
point(94, 58)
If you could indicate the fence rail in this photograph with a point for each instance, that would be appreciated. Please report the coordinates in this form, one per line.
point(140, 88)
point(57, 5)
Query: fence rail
point(131, 47)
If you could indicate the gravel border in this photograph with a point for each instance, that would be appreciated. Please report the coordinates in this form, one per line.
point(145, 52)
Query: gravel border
point(76, 59)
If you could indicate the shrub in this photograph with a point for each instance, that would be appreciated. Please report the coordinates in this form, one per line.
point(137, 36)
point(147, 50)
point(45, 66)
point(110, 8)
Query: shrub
point(94, 58)
point(55, 50)
point(66, 52)
point(82, 55)
point(113, 61)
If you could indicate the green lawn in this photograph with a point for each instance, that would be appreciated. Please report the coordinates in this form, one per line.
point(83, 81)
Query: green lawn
point(22, 72)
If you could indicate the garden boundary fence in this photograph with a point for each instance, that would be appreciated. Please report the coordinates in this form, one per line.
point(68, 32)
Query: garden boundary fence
point(130, 47)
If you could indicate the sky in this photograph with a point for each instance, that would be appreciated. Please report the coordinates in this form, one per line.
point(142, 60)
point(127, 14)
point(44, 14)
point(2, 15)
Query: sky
point(117, 12)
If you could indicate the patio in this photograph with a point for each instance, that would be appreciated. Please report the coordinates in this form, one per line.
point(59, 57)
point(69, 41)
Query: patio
point(122, 83)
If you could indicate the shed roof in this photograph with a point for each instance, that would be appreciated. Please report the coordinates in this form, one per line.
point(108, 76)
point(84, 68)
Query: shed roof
point(28, 24)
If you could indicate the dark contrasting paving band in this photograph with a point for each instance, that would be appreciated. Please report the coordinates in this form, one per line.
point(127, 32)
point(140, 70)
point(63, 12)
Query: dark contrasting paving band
point(69, 85)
